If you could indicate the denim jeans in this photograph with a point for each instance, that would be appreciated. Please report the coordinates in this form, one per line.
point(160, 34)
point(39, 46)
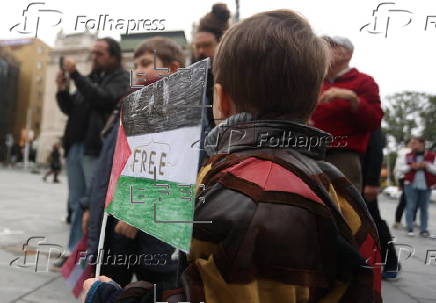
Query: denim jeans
point(79, 169)
point(420, 199)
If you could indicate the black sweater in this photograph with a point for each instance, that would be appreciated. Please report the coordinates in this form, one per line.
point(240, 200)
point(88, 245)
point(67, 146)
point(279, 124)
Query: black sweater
point(89, 108)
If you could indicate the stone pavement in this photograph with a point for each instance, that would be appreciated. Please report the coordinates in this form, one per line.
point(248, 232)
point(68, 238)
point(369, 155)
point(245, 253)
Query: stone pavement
point(30, 207)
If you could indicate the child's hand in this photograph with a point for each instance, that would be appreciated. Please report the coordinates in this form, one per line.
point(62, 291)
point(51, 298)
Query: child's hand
point(86, 287)
point(126, 230)
point(88, 283)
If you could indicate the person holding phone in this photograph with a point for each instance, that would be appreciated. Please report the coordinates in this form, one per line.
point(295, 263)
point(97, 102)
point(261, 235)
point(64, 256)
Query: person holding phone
point(419, 168)
point(88, 110)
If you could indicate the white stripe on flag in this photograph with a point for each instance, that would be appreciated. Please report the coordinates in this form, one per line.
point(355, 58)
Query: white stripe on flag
point(167, 153)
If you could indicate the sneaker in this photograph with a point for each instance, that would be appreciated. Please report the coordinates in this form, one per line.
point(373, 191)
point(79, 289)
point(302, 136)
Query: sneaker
point(410, 233)
point(397, 225)
point(57, 265)
point(391, 274)
point(424, 234)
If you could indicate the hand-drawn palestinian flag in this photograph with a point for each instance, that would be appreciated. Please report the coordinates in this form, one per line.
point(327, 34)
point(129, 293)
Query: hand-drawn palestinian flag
point(157, 156)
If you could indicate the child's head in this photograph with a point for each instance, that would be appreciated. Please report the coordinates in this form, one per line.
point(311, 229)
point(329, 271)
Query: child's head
point(270, 63)
point(168, 55)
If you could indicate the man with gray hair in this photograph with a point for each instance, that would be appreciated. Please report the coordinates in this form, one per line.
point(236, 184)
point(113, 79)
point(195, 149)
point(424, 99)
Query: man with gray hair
point(348, 108)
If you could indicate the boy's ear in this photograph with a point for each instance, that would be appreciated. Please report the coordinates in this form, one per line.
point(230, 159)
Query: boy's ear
point(174, 66)
point(223, 106)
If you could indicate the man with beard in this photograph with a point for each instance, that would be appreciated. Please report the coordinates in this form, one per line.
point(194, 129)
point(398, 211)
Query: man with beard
point(87, 110)
point(348, 108)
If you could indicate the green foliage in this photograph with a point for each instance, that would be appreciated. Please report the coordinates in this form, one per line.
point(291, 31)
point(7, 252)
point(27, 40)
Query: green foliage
point(407, 111)
point(428, 116)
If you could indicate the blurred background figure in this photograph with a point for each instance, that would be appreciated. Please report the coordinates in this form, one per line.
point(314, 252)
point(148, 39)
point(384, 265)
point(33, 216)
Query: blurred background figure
point(88, 110)
point(400, 178)
point(371, 168)
point(419, 169)
point(349, 108)
point(210, 30)
point(55, 163)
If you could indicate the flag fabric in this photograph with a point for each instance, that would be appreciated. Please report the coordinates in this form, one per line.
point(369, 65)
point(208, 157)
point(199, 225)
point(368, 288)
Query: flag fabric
point(156, 156)
point(76, 268)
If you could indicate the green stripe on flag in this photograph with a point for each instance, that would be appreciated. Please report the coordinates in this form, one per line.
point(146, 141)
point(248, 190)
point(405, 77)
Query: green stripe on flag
point(143, 202)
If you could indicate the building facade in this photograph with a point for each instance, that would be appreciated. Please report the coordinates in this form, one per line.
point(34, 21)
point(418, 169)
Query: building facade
point(32, 56)
point(9, 73)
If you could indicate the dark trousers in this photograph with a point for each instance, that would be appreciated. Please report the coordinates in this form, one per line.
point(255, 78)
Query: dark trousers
point(388, 252)
point(400, 209)
point(145, 256)
point(348, 162)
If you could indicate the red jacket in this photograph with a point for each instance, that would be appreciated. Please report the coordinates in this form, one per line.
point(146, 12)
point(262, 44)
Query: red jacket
point(430, 179)
point(350, 129)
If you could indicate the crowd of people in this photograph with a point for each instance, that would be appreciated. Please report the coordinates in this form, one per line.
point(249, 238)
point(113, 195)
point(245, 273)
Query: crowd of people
point(294, 224)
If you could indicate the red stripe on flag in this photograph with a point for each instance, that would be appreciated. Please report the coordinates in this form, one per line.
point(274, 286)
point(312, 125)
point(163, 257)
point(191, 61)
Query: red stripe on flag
point(79, 251)
point(121, 155)
point(88, 273)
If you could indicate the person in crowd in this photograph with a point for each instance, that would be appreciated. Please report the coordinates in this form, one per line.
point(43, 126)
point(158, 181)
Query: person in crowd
point(121, 238)
point(371, 169)
point(348, 108)
point(55, 164)
point(87, 110)
point(286, 226)
point(400, 179)
point(210, 30)
point(419, 169)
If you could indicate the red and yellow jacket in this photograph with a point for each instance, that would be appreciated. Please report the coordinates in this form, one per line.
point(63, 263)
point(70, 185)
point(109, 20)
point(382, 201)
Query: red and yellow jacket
point(286, 227)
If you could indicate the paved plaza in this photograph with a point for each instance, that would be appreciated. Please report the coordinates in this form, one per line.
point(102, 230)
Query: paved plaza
point(31, 208)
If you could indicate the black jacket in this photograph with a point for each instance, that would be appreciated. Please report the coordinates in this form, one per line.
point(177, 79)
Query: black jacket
point(89, 108)
point(373, 159)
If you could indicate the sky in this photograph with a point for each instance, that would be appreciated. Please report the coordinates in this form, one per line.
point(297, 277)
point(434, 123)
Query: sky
point(399, 58)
